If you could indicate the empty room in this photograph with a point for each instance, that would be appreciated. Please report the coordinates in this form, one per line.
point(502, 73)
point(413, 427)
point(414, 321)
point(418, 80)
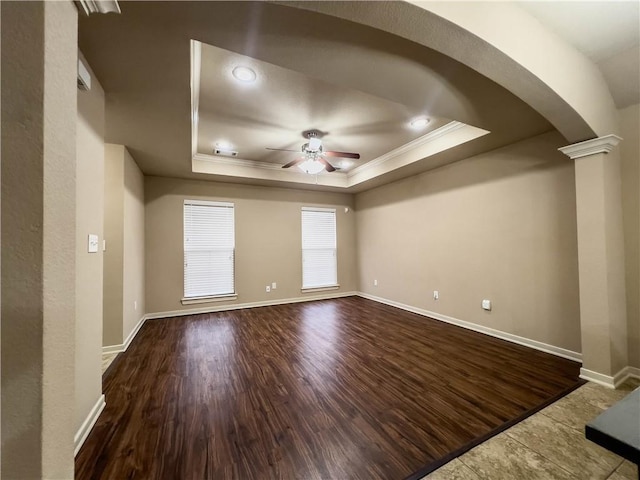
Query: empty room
point(320, 240)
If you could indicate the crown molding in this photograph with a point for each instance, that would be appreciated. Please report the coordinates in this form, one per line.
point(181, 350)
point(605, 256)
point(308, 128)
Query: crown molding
point(235, 162)
point(418, 142)
point(99, 6)
point(242, 162)
point(591, 147)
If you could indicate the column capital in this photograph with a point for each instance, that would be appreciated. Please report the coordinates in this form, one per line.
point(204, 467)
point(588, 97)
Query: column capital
point(590, 147)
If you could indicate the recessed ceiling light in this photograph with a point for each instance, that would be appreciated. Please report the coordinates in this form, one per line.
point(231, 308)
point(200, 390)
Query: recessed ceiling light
point(224, 145)
point(244, 74)
point(419, 122)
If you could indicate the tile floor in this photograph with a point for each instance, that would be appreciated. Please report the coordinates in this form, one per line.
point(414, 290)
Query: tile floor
point(549, 445)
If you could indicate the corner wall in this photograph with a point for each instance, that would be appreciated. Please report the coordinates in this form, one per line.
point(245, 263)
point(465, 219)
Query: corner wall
point(133, 279)
point(124, 282)
point(89, 266)
point(38, 250)
point(498, 226)
point(268, 240)
point(630, 168)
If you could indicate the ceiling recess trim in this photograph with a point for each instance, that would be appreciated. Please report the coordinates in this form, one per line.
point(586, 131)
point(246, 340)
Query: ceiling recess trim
point(238, 162)
point(448, 136)
point(412, 145)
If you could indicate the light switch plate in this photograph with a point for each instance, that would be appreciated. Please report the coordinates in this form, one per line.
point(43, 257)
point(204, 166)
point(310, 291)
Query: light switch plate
point(92, 246)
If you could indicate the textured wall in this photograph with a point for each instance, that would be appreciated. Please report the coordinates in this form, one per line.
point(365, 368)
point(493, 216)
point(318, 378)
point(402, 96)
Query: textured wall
point(38, 238)
point(133, 246)
point(499, 226)
point(268, 239)
point(89, 219)
point(630, 161)
point(124, 259)
point(114, 235)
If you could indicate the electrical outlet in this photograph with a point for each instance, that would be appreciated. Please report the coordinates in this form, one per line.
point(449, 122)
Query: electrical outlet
point(135, 305)
point(436, 295)
point(268, 288)
point(486, 305)
point(274, 285)
point(375, 283)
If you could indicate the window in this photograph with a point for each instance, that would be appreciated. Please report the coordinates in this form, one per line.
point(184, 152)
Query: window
point(209, 246)
point(319, 263)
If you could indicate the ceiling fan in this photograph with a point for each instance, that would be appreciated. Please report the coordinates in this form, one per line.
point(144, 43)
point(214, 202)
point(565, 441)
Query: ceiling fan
point(312, 160)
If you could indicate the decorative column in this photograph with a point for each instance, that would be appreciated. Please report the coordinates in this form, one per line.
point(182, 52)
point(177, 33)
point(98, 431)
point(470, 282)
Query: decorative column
point(603, 316)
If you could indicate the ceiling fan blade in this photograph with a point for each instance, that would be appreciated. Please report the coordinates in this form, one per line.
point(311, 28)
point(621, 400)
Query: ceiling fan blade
point(291, 164)
point(355, 156)
point(283, 150)
point(327, 165)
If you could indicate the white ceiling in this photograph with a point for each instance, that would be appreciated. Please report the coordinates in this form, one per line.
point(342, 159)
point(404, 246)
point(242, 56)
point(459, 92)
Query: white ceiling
point(608, 32)
point(275, 110)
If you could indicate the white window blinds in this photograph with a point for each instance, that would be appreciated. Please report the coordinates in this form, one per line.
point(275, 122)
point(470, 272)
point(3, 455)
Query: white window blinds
point(319, 262)
point(209, 244)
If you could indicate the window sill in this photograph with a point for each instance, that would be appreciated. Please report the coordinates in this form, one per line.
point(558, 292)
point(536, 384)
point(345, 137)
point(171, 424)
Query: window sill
point(320, 289)
point(213, 298)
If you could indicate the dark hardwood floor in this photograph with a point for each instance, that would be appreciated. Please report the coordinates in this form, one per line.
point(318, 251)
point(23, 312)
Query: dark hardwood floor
point(335, 389)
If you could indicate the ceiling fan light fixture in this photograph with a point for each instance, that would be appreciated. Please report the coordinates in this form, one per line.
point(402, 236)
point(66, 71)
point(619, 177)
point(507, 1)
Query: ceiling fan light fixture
point(244, 74)
point(311, 167)
point(419, 122)
point(314, 144)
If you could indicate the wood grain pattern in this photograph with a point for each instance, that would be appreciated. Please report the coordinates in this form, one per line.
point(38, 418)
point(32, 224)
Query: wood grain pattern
point(334, 389)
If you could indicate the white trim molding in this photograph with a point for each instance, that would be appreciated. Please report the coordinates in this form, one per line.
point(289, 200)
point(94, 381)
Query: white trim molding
point(412, 145)
point(83, 432)
point(544, 347)
point(599, 378)
point(99, 6)
point(239, 306)
point(610, 381)
point(590, 147)
point(123, 346)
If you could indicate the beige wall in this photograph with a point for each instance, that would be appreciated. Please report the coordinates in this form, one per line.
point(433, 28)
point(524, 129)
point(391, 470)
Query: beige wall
point(133, 280)
point(124, 258)
point(89, 219)
point(114, 235)
point(630, 165)
point(499, 226)
point(268, 239)
point(38, 238)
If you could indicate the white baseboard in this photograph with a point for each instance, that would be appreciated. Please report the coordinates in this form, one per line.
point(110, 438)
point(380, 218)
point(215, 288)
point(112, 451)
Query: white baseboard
point(239, 306)
point(610, 381)
point(83, 432)
point(625, 374)
point(123, 346)
point(544, 347)
point(599, 378)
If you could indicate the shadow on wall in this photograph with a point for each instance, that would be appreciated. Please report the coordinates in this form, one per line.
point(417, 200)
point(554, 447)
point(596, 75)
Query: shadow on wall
point(208, 189)
point(539, 153)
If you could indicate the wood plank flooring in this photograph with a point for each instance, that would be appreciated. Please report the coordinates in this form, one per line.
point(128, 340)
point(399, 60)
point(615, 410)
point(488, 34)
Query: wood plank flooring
point(335, 389)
